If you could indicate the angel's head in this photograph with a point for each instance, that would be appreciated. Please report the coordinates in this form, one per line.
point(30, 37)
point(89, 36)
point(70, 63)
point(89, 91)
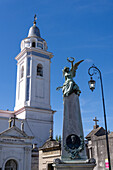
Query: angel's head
point(66, 69)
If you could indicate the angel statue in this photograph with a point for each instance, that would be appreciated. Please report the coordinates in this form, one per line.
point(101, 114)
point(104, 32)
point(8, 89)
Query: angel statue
point(69, 85)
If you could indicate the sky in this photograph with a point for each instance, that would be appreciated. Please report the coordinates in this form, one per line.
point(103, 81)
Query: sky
point(75, 28)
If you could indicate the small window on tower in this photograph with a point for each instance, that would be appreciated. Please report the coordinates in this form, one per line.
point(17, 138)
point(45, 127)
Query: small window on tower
point(40, 70)
point(22, 71)
point(33, 44)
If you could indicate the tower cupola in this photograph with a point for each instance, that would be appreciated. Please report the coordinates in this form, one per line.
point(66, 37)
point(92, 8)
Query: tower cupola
point(34, 31)
point(34, 38)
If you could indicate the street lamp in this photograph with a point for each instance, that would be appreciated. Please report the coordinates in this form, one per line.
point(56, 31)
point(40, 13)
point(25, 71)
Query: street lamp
point(91, 71)
point(91, 84)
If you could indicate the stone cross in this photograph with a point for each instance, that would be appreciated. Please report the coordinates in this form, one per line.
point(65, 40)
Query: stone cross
point(96, 120)
point(14, 118)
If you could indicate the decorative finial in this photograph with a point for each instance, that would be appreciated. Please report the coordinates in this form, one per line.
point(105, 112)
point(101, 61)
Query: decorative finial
point(95, 120)
point(22, 126)
point(35, 18)
point(10, 122)
point(51, 134)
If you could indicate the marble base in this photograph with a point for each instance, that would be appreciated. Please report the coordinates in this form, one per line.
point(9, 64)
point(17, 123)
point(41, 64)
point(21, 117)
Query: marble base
point(75, 165)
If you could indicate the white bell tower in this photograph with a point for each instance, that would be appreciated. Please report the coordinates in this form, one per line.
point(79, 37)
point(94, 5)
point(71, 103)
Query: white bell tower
point(33, 85)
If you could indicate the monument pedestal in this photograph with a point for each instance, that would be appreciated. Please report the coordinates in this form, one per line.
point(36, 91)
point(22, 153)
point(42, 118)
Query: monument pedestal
point(73, 151)
point(79, 165)
point(72, 130)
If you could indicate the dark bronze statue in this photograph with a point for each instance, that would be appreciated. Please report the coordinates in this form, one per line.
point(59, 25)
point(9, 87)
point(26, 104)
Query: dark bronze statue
point(69, 85)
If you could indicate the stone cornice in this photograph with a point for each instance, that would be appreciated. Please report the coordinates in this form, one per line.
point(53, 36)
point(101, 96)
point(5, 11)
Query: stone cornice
point(27, 108)
point(25, 50)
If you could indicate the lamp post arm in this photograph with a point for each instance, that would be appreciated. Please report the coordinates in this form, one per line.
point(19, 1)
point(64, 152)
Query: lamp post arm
point(94, 68)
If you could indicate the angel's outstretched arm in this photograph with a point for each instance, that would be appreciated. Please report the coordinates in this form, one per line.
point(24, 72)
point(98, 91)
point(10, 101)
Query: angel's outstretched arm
point(75, 67)
point(58, 88)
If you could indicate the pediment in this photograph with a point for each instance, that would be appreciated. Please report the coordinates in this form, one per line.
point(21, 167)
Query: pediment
point(14, 132)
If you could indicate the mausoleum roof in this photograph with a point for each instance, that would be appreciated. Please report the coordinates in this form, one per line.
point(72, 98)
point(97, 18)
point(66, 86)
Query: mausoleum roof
point(100, 131)
point(51, 145)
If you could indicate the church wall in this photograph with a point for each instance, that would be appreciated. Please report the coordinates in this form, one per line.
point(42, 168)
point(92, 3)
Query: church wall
point(21, 83)
point(40, 114)
point(39, 129)
point(20, 153)
point(40, 86)
point(37, 123)
point(3, 123)
point(21, 115)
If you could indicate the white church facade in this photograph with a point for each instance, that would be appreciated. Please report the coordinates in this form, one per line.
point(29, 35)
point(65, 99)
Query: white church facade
point(32, 118)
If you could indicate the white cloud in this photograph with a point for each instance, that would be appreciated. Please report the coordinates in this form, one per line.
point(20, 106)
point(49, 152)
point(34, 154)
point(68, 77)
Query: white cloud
point(88, 60)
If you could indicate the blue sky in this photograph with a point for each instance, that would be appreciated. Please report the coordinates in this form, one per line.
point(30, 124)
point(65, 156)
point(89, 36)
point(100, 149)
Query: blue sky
point(76, 28)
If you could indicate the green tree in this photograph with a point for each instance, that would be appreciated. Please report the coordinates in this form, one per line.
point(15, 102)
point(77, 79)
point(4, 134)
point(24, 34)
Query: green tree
point(58, 138)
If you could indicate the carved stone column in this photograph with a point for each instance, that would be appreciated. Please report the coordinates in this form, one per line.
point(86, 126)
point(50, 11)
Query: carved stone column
point(27, 162)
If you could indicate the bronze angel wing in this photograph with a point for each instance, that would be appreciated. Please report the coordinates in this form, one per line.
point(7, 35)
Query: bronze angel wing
point(75, 67)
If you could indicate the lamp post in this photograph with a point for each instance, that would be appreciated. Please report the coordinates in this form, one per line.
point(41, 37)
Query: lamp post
point(91, 83)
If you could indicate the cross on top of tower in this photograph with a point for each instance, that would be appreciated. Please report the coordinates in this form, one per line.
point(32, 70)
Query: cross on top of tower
point(35, 18)
point(95, 120)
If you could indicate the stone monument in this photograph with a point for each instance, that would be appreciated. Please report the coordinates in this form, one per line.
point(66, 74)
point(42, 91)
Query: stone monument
point(73, 153)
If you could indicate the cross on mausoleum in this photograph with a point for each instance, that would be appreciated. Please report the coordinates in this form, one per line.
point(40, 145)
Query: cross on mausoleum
point(95, 120)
